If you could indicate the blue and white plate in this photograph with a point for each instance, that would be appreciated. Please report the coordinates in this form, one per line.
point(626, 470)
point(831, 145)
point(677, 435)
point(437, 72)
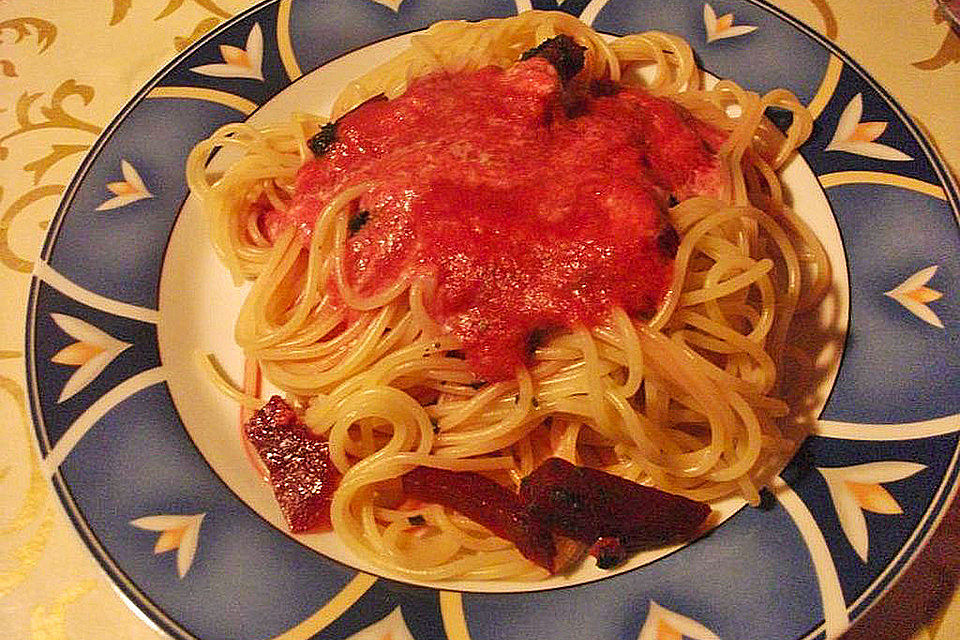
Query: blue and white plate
point(146, 456)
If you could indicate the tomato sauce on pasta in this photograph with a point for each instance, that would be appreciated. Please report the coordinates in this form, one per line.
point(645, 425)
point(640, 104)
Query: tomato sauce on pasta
point(528, 217)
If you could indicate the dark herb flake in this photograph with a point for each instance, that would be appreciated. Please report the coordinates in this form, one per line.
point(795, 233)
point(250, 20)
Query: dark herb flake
point(357, 221)
point(321, 141)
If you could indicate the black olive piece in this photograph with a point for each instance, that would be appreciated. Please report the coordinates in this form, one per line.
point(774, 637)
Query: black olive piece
point(672, 201)
point(562, 52)
point(417, 520)
point(321, 140)
point(357, 221)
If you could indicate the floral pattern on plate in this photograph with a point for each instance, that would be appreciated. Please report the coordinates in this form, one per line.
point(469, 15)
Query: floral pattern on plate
point(238, 62)
point(177, 532)
point(129, 190)
point(722, 27)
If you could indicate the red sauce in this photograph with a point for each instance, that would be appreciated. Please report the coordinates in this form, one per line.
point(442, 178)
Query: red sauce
point(527, 217)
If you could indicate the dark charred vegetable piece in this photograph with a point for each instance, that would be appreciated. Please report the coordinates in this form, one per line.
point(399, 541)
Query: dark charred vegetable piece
point(609, 552)
point(357, 221)
point(298, 463)
point(588, 505)
point(562, 52)
point(668, 241)
point(321, 141)
point(485, 502)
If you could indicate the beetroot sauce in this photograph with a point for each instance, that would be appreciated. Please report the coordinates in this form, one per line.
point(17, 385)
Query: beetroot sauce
point(530, 215)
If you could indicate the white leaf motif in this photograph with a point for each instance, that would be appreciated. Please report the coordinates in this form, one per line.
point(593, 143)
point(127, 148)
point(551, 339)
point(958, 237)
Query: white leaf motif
point(393, 626)
point(103, 349)
point(659, 617)
point(709, 19)
point(248, 65)
point(130, 190)
point(840, 483)
point(849, 138)
point(879, 472)
point(733, 32)
point(870, 150)
point(120, 201)
point(720, 28)
point(164, 522)
point(131, 177)
point(913, 294)
point(391, 4)
point(180, 532)
point(849, 119)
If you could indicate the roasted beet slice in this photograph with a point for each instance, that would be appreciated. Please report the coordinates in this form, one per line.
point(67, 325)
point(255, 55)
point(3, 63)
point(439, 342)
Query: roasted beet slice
point(485, 502)
point(298, 463)
point(589, 505)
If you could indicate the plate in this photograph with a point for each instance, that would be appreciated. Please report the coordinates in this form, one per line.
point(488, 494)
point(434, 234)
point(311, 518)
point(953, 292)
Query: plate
point(145, 455)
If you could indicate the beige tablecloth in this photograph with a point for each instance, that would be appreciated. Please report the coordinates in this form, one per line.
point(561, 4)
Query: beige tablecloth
point(67, 67)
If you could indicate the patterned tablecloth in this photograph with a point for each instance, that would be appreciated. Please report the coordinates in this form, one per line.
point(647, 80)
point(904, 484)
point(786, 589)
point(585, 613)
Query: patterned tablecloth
point(67, 68)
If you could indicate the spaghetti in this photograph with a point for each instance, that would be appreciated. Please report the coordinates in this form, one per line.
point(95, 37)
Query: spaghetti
point(681, 395)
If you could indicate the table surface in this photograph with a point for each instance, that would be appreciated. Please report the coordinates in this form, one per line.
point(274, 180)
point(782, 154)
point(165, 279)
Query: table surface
point(50, 587)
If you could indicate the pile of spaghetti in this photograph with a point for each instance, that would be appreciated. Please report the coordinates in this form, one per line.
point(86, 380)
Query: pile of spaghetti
point(681, 395)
